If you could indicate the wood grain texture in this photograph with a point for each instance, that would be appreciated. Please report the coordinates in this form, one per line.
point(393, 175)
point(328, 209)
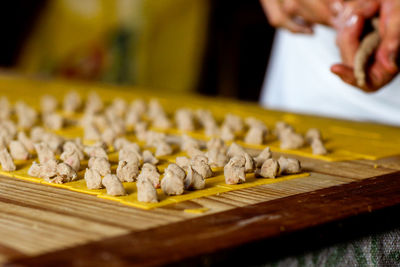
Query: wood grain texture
point(355, 169)
point(206, 234)
point(38, 219)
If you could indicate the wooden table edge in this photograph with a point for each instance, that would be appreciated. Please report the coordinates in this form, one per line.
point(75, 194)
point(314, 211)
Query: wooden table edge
point(208, 234)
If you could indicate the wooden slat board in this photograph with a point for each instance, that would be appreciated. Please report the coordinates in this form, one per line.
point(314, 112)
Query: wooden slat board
point(43, 225)
point(37, 220)
point(207, 234)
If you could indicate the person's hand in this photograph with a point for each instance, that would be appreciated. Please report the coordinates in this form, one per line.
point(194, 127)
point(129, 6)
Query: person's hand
point(298, 16)
point(350, 24)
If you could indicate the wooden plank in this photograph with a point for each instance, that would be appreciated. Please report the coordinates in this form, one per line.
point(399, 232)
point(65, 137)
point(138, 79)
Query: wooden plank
point(31, 210)
point(88, 218)
point(267, 192)
point(206, 234)
point(36, 219)
point(390, 162)
point(80, 205)
point(350, 169)
point(355, 169)
point(7, 253)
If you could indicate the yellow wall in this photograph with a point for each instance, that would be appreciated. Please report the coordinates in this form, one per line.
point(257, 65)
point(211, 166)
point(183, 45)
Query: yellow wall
point(165, 50)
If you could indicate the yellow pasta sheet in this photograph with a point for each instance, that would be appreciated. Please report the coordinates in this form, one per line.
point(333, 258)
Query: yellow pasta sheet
point(345, 140)
point(214, 185)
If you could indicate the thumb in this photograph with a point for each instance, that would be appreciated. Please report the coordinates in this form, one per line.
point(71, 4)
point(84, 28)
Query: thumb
point(368, 8)
point(387, 54)
point(345, 73)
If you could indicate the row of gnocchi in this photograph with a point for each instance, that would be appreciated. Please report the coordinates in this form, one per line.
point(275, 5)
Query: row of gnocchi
point(140, 166)
point(59, 160)
point(107, 122)
point(114, 120)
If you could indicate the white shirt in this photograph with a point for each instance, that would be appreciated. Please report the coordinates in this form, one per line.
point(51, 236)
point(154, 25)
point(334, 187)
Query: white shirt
point(299, 79)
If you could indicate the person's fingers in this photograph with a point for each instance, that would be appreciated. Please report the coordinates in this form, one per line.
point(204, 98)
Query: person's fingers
point(311, 11)
point(293, 8)
point(321, 11)
point(368, 8)
point(383, 68)
point(274, 12)
point(389, 28)
point(387, 54)
point(350, 24)
point(345, 73)
point(278, 18)
point(294, 27)
point(377, 77)
point(348, 38)
point(336, 6)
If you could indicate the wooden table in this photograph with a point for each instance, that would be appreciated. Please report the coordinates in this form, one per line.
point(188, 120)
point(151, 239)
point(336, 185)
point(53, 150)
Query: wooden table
point(48, 226)
point(43, 225)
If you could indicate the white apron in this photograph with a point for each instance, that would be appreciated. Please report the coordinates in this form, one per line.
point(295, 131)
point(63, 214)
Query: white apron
point(299, 79)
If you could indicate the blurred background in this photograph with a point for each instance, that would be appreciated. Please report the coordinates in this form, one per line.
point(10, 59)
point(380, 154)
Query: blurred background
point(213, 47)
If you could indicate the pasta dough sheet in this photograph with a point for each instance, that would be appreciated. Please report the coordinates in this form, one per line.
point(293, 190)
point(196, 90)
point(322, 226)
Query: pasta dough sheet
point(214, 185)
point(345, 140)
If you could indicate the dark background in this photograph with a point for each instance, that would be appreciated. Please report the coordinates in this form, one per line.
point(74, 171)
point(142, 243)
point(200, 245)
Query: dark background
point(237, 51)
point(17, 18)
